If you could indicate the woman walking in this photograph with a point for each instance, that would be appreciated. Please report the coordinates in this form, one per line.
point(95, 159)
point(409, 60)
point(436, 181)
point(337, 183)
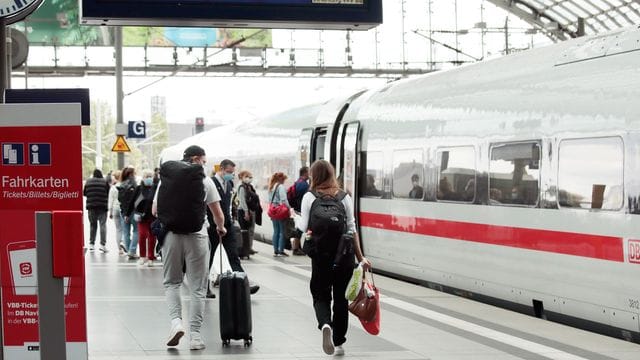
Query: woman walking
point(141, 210)
point(277, 196)
point(329, 278)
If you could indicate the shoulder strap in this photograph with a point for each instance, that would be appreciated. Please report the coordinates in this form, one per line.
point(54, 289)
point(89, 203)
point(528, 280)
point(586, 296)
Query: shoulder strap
point(274, 193)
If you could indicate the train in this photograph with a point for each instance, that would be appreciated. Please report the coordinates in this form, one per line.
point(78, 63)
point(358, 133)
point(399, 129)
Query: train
point(514, 181)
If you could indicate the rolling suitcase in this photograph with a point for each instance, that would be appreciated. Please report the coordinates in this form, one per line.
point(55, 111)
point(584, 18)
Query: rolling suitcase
point(245, 246)
point(235, 308)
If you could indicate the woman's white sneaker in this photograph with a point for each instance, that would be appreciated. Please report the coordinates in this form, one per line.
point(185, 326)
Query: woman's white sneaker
point(339, 351)
point(327, 340)
point(142, 261)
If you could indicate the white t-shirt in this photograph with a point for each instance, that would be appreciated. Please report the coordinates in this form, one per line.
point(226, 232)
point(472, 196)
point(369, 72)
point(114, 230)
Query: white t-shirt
point(210, 196)
point(302, 221)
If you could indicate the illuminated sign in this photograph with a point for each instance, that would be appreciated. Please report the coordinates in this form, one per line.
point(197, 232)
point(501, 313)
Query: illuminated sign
point(298, 14)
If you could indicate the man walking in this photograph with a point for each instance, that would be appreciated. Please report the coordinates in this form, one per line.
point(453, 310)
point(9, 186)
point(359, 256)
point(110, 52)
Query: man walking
point(223, 180)
point(184, 192)
point(96, 189)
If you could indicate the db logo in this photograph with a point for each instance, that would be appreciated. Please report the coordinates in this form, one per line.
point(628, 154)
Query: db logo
point(25, 269)
point(634, 251)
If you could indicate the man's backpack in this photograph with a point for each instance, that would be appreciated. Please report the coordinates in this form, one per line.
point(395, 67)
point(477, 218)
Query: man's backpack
point(181, 197)
point(328, 223)
point(294, 199)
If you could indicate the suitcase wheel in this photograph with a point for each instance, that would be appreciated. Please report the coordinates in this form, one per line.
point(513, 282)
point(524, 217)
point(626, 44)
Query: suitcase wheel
point(226, 342)
point(247, 342)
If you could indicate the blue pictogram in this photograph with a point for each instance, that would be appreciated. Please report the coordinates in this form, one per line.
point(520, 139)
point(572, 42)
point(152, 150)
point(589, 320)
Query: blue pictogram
point(12, 154)
point(39, 154)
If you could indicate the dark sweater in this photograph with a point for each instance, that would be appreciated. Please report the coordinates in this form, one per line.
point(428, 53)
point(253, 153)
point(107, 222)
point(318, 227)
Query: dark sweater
point(97, 192)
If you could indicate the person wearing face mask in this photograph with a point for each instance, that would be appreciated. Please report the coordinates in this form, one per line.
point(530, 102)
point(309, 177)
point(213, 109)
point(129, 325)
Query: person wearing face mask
point(249, 211)
point(416, 192)
point(141, 210)
point(223, 180)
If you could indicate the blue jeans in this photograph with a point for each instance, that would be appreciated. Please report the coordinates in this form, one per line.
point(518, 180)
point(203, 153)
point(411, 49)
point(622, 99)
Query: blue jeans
point(130, 243)
point(278, 236)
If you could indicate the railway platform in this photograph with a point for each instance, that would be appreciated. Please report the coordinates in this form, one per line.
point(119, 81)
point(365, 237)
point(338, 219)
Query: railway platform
point(128, 320)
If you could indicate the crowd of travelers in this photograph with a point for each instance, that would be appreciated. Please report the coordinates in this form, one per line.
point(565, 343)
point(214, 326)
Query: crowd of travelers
point(155, 221)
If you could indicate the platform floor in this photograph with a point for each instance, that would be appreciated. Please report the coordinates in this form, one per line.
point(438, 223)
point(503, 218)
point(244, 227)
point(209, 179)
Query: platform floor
point(127, 319)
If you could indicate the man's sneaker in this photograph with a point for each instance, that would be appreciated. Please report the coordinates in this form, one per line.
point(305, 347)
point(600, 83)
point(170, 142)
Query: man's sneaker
point(123, 250)
point(327, 340)
point(133, 257)
point(298, 252)
point(254, 289)
point(151, 263)
point(142, 261)
point(284, 254)
point(92, 247)
point(196, 341)
point(177, 331)
point(339, 351)
point(103, 249)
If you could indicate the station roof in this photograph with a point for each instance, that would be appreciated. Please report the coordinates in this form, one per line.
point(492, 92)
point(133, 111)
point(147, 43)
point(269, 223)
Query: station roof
point(560, 19)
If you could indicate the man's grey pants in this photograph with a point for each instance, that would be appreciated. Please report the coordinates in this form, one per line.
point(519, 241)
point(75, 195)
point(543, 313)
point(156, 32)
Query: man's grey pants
point(193, 251)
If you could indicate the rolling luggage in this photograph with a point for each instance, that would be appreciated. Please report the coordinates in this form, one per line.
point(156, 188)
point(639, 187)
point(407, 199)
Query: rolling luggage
point(245, 245)
point(235, 308)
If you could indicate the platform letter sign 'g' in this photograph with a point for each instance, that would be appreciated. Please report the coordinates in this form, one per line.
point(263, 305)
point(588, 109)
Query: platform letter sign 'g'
point(137, 130)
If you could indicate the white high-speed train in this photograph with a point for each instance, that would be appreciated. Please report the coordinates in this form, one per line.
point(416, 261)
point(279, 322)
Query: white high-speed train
point(515, 181)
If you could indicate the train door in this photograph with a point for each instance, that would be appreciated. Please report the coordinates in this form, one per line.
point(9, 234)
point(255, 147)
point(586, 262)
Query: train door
point(350, 161)
point(304, 148)
point(311, 146)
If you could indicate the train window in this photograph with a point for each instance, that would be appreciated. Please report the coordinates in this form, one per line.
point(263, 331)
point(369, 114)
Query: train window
point(457, 174)
point(373, 179)
point(590, 173)
point(514, 174)
point(408, 174)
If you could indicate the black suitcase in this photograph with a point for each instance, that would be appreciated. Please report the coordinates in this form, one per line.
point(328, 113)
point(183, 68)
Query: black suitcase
point(235, 308)
point(245, 245)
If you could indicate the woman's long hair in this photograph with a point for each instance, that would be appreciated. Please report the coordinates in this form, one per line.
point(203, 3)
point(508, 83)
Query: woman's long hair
point(323, 177)
point(275, 178)
point(127, 172)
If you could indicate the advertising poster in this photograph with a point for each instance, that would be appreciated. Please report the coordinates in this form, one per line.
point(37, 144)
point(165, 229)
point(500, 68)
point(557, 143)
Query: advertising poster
point(41, 170)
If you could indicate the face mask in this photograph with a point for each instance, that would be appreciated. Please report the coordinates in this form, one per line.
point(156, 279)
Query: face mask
point(148, 181)
point(227, 177)
point(247, 180)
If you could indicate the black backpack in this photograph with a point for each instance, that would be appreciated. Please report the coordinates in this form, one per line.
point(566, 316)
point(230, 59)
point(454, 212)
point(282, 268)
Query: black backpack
point(181, 197)
point(328, 224)
point(126, 191)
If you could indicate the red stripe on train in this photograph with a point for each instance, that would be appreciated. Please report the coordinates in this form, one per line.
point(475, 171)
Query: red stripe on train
point(585, 245)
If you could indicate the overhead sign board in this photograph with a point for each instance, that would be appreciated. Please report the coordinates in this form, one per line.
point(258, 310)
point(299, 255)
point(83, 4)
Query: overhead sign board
point(289, 14)
point(137, 130)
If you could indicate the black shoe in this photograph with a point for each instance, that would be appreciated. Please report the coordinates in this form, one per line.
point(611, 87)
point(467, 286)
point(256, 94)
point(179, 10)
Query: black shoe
point(210, 295)
point(252, 252)
point(298, 252)
point(284, 254)
point(217, 282)
point(254, 289)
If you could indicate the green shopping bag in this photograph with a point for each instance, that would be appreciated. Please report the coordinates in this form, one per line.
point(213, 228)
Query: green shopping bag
point(355, 283)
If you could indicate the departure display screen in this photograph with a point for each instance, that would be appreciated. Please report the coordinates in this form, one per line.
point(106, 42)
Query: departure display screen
point(290, 14)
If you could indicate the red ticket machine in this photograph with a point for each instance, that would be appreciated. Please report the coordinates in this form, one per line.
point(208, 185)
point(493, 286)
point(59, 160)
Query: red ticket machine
point(41, 170)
